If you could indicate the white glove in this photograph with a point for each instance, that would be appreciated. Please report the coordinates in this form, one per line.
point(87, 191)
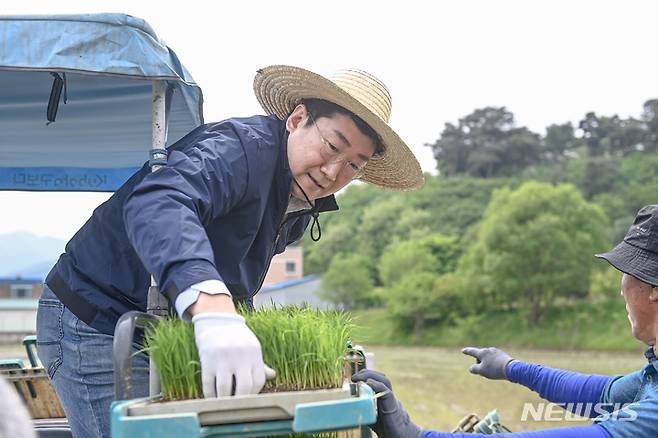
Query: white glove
point(228, 349)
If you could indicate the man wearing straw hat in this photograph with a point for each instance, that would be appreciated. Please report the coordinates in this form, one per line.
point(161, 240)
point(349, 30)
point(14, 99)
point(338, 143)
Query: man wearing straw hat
point(206, 226)
point(620, 406)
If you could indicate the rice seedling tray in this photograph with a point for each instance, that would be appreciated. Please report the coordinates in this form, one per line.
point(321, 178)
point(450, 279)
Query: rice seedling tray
point(350, 407)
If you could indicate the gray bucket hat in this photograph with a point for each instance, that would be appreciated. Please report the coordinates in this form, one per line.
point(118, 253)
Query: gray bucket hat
point(637, 254)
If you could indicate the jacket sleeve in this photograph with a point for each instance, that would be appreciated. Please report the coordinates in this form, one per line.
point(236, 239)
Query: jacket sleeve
point(165, 213)
point(574, 391)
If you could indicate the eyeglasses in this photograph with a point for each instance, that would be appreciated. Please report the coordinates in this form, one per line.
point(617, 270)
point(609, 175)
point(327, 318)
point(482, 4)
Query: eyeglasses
point(332, 154)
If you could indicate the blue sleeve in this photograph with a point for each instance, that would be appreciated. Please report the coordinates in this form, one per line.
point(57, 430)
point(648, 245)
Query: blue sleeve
point(567, 388)
point(593, 431)
point(206, 175)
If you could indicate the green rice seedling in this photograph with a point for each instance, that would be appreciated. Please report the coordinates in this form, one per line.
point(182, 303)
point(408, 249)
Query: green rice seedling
point(305, 346)
point(171, 345)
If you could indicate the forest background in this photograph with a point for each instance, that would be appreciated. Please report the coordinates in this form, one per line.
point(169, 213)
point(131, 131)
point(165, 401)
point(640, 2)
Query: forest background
point(498, 248)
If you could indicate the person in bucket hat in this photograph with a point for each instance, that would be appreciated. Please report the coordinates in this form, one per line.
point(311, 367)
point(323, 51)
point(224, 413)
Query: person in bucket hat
point(620, 406)
point(637, 254)
point(206, 226)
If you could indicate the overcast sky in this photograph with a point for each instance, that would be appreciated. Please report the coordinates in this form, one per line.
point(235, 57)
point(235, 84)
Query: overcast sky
point(546, 61)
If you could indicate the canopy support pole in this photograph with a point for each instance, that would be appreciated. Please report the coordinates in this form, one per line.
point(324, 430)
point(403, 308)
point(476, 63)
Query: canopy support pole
point(157, 304)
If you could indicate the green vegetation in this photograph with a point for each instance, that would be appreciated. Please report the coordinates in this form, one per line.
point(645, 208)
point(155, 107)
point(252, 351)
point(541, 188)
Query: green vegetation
point(414, 286)
point(486, 143)
point(534, 245)
point(305, 346)
point(348, 282)
point(506, 230)
point(172, 347)
point(599, 326)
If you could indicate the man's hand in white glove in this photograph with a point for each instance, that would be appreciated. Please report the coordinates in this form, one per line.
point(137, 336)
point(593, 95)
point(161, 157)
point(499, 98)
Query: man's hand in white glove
point(230, 353)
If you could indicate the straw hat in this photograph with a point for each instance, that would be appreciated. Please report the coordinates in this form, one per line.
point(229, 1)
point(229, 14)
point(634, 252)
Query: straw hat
point(280, 88)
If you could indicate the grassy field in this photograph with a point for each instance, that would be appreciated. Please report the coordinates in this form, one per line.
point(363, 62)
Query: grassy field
point(578, 327)
point(436, 388)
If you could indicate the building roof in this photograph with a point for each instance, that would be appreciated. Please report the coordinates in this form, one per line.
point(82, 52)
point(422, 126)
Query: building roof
point(18, 304)
point(289, 283)
point(20, 280)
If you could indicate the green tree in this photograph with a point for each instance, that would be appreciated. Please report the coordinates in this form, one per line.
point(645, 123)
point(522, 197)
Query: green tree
point(377, 223)
point(406, 258)
point(608, 139)
point(650, 118)
point(559, 141)
point(446, 250)
point(600, 176)
point(336, 239)
point(412, 301)
point(633, 187)
point(413, 223)
point(435, 253)
point(455, 203)
point(348, 281)
point(418, 285)
point(422, 297)
point(485, 144)
point(340, 229)
point(370, 219)
point(448, 293)
point(612, 136)
point(638, 181)
point(535, 244)
point(605, 283)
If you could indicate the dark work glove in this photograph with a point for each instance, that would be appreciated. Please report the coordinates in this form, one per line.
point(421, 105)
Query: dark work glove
point(392, 420)
point(491, 362)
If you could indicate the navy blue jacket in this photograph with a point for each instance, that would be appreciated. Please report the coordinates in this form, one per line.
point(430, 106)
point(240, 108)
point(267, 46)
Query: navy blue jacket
point(215, 211)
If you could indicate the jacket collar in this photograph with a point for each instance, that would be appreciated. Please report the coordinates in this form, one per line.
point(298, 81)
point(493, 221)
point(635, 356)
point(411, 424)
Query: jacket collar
point(327, 203)
point(652, 367)
point(283, 141)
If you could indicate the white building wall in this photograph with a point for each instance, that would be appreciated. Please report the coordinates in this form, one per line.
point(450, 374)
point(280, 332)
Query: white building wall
point(18, 321)
point(16, 324)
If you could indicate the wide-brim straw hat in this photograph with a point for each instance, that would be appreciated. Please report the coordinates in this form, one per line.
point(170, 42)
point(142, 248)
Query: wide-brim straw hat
point(280, 88)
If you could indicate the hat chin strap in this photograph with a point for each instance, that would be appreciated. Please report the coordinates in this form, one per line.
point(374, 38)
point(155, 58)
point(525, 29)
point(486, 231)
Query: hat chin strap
point(316, 222)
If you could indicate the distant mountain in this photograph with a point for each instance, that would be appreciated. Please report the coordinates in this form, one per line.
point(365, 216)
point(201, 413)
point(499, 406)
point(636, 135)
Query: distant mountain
point(39, 270)
point(27, 255)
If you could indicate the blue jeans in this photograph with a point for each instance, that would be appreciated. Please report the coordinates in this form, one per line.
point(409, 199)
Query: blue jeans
point(78, 360)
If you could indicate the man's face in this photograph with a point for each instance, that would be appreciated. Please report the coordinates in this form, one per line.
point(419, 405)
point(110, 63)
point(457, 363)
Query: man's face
point(642, 307)
point(326, 154)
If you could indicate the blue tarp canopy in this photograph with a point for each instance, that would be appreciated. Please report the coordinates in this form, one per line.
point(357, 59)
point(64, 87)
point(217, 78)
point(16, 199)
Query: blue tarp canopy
point(105, 65)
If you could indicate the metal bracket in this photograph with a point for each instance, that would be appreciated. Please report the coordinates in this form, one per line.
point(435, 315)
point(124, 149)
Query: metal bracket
point(124, 334)
point(158, 158)
point(157, 304)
